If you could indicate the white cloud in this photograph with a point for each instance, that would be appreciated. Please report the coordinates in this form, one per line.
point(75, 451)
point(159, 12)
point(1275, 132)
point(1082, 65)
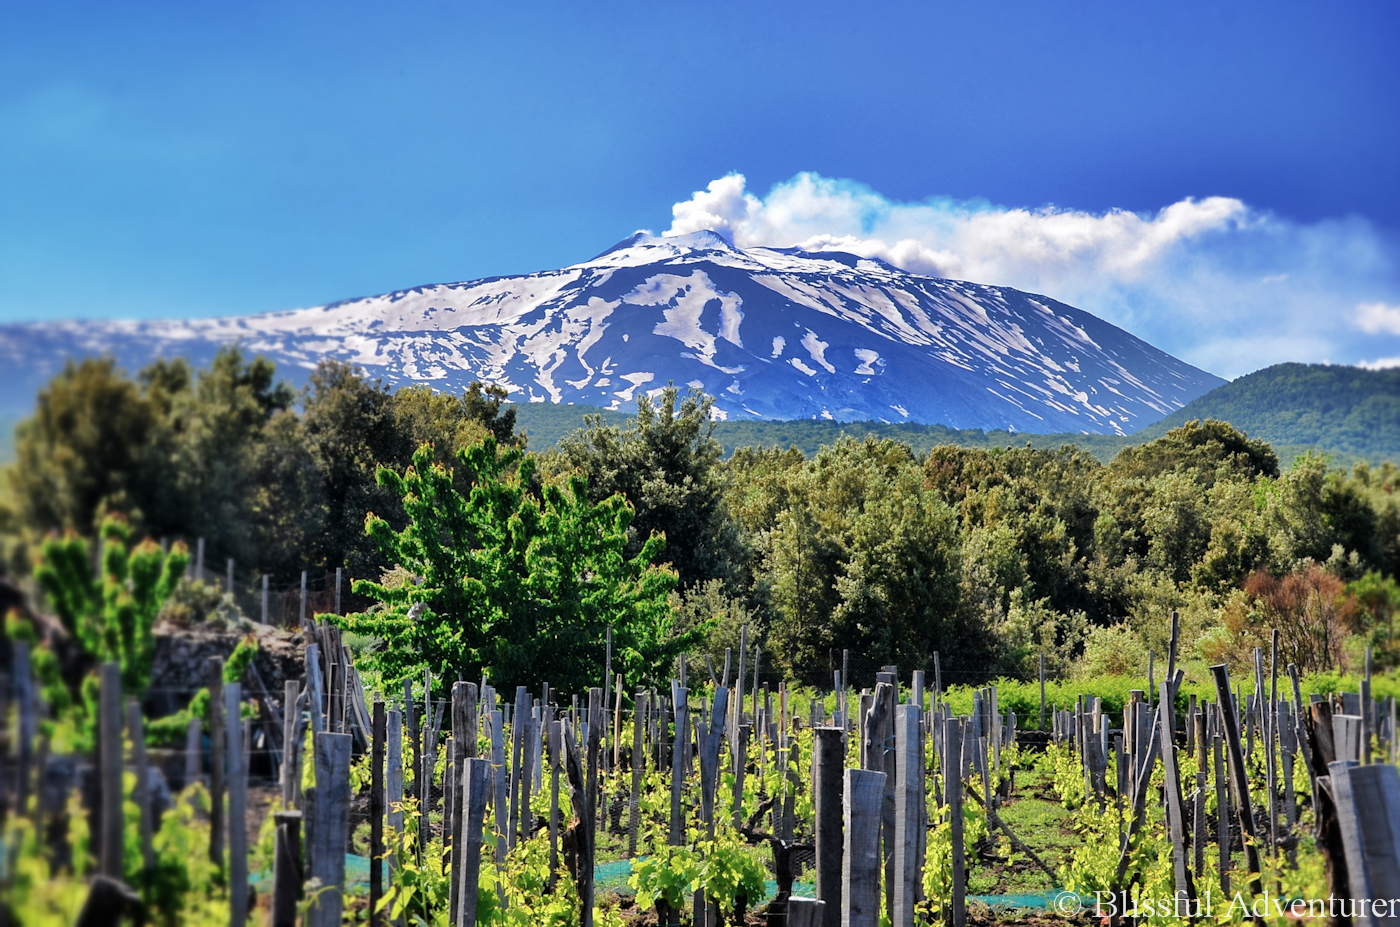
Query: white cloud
point(720, 208)
point(1381, 363)
point(1225, 286)
point(1374, 318)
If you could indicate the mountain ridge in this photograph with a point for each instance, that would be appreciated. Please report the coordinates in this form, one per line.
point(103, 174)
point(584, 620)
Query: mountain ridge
point(771, 333)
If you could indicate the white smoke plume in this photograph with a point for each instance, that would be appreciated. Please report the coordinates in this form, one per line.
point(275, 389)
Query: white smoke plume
point(1222, 285)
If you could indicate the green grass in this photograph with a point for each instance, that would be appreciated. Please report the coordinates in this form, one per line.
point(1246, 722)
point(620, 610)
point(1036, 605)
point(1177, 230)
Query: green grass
point(1042, 823)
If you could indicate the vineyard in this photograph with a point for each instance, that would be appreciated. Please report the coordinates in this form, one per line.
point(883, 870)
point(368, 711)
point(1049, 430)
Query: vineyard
point(535, 713)
point(718, 800)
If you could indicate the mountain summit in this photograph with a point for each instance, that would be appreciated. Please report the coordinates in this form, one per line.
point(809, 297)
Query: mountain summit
point(772, 333)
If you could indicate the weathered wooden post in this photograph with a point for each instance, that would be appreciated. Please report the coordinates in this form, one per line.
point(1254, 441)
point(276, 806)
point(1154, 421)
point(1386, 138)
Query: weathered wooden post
point(291, 745)
point(1271, 745)
point(909, 790)
point(639, 712)
point(1239, 775)
point(952, 780)
point(1368, 810)
point(1198, 802)
point(315, 688)
point(607, 687)
point(680, 697)
point(378, 733)
point(828, 782)
point(216, 760)
point(110, 765)
point(393, 775)
point(879, 726)
point(475, 787)
point(554, 743)
point(23, 680)
point(194, 752)
point(237, 808)
point(519, 719)
point(286, 869)
point(807, 912)
point(590, 821)
point(427, 755)
point(860, 875)
point(410, 719)
point(1176, 806)
point(331, 830)
point(740, 747)
point(757, 666)
point(499, 800)
point(739, 679)
point(464, 698)
point(1042, 691)
point(616, 723)
point(1222, 806)
point(1288, 750)
point(137, 730)
point(709, 736)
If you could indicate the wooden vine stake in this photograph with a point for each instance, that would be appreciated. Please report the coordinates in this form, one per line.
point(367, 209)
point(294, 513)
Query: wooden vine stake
point(860, 875)
point(110, 760)
point(331, 829)
point(476, 787)
point(1239, 775)
point(237, 808)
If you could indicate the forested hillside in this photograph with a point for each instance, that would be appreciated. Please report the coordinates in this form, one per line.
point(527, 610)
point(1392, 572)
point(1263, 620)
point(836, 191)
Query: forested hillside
point(988, 555)
point(1337, 409)
point(1347, 413)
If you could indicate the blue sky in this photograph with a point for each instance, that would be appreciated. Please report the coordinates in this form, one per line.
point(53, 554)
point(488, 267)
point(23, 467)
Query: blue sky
point(178, 160)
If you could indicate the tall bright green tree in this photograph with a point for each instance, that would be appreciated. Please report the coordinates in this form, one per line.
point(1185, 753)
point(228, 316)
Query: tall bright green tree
point(519, 585)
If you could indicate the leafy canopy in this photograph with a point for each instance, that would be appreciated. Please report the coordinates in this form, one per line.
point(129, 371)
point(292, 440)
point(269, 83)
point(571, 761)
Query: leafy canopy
point(519, 585)
point(666, 463)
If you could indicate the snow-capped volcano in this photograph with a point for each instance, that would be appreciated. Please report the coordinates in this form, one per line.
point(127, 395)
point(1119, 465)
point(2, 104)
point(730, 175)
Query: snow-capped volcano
point(772, 333)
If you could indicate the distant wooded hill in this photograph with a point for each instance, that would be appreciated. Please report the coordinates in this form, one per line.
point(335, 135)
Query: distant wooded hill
point(1347, 412)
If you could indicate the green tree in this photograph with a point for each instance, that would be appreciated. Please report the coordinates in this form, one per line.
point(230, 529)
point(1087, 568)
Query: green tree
point(861, 557)
point(354, 425)
point(899, 588)
point(220, 426)
point(1211, 448)
point(519, 585)
point(665, 464)
point(351, 431)
point(91, 446)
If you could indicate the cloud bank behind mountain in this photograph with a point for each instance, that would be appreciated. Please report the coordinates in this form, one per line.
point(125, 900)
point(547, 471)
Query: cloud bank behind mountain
point(1212, 280)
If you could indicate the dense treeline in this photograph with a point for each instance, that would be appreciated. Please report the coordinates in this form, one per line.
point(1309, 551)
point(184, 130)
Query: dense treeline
point(1350, 413)
point(989, 556)
point(280, 480)
point(549, 424)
